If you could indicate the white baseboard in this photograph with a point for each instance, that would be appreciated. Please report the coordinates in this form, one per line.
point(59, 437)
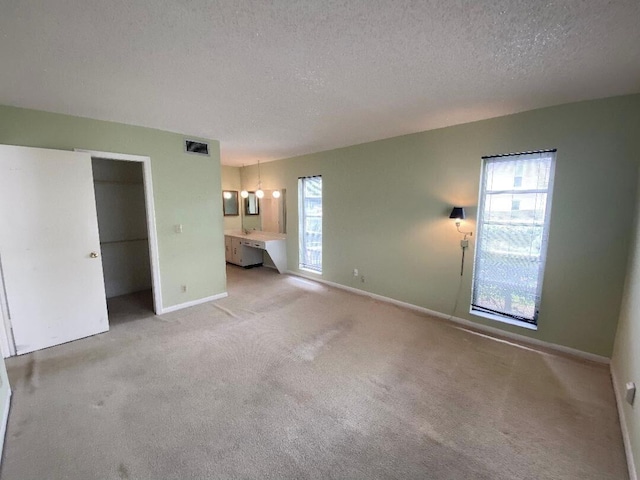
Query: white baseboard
point(631, 464)
point(5, 421)
point(193, 303)
point(468, 324)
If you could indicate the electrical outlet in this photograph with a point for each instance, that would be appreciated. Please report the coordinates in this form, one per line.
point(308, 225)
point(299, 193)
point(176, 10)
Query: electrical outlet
point(362, 278)
point(630, 392)
point(178, 228)
point(355, 272)
point(183, 288)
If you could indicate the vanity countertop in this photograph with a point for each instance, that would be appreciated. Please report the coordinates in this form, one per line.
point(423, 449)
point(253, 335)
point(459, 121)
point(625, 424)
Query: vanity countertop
point(256, 235)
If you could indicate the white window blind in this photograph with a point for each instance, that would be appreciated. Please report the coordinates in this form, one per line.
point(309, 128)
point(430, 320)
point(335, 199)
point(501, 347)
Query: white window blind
point(310, 223)
point(513, 227)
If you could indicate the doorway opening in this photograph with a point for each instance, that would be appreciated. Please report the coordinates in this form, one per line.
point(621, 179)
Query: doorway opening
point(126, 226)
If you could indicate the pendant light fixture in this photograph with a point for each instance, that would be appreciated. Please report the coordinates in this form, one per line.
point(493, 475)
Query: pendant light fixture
point(243, 193)
point(259, 192)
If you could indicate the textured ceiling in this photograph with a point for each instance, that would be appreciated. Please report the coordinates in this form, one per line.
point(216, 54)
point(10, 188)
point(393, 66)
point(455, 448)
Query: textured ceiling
point(273, 79)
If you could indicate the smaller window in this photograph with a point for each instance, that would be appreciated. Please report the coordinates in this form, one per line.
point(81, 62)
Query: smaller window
point(515, 205)
point(310, 223)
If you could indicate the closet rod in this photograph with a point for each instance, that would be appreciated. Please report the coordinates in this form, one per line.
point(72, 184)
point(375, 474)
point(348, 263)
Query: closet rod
point(124, 241)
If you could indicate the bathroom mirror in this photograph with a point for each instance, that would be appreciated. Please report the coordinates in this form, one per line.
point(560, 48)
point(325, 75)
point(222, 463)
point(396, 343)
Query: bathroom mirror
point(230, 203)
point(273, 211)
point(252, 204)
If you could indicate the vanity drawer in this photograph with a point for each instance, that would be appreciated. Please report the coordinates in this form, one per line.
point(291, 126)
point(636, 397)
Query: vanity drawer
point(254, 243)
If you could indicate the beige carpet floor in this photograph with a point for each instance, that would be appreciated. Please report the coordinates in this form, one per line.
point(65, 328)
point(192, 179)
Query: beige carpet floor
point(289, 379)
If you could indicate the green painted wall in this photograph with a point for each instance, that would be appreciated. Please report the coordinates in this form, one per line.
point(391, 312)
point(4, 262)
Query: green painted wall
point(186, 190)
point(386, 205)
point(625, 363)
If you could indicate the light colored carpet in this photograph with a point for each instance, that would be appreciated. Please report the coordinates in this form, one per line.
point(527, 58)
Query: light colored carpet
point(289, 379)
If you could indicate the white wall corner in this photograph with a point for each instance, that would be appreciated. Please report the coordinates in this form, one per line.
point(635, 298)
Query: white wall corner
point(193, 303)
point(631, 464)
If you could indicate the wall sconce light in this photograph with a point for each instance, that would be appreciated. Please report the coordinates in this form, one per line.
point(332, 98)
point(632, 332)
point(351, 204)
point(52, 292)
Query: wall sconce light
point(276, 194)
point(227, 195)
point(457, 213)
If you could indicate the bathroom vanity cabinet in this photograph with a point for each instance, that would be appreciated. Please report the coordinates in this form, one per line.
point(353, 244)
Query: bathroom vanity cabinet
point(247, 250)
point(238, 253)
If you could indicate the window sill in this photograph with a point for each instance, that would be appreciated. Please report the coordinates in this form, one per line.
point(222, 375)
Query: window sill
point(308, 270)
point(498, 318)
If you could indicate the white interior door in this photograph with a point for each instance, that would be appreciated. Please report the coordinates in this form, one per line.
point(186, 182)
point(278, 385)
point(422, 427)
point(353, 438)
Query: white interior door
point(48, 231)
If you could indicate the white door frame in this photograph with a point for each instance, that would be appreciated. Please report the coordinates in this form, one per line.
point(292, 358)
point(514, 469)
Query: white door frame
point(151, 216)
point(7, 344)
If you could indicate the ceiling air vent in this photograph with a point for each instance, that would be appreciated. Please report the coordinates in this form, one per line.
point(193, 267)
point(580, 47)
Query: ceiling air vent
point(198, 148)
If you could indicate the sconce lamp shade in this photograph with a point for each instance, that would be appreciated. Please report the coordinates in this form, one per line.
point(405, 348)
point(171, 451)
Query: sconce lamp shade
point(457, 213)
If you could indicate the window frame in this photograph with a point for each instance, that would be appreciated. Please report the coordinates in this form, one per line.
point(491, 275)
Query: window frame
point(303, 215)
point(485, 312)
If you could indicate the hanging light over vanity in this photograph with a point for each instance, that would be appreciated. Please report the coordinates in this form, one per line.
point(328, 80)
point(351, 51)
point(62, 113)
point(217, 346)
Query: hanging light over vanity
point(259, 191)
point(243, 193)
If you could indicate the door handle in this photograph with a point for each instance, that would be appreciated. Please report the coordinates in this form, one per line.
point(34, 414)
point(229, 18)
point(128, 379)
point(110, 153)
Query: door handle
point(94, 255)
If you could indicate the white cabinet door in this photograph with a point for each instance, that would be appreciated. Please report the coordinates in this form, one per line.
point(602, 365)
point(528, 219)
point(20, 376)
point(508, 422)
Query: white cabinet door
point(48, 231)
point(242, 255)
point(228, 249)
point(236, 251)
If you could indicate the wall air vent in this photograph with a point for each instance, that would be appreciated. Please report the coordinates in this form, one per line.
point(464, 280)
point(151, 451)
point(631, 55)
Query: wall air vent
point(197, 148)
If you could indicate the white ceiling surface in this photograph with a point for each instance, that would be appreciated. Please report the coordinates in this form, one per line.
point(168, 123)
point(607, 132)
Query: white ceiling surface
point(273, 79)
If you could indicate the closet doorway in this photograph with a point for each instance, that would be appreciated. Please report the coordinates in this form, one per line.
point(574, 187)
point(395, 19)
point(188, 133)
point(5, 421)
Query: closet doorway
point(126, 225)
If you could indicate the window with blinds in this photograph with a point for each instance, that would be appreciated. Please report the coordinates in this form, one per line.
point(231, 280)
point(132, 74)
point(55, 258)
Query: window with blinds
point(513, 227)
point(310, 223)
